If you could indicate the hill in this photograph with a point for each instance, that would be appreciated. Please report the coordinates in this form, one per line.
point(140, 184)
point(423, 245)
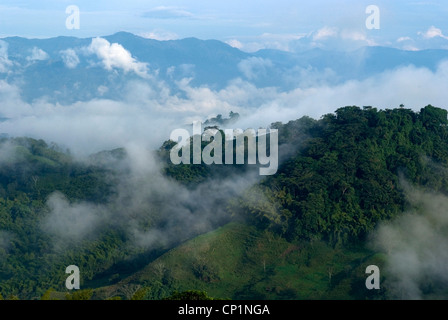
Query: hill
point(241, 262)
point(304, 233)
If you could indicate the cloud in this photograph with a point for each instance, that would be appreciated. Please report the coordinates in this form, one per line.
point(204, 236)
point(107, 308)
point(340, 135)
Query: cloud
point(150, 209)
point(327, 37)
point(402, 39)
point(325, 32)
point(70, 58)
point(332, 38)
point(433, 32)
point(160, 35)
point(149, 110)
point(114, 56)
point(357, 36)
point(5, 242)
point(407, 43)
point(72, 222)
point(168, 12)
point(37, 54)
point(255, 67)
point(5, 63)
point(9, 154)
point(416, 245)
point(147, 113)
point(12, 103)
point(235, 43)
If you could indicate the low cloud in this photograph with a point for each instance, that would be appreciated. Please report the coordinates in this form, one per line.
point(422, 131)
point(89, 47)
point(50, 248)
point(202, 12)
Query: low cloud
point(235, 43)
point(72, 222)
point(150, 209)
point(5, 63)
point(149, 110)
point(324, 33)
point(255, 67)
point(433, 32)
point(70, 58)
point(416, 245)
point(160, 35)
point(114, 56)
point(38, 54)
point(5, 241)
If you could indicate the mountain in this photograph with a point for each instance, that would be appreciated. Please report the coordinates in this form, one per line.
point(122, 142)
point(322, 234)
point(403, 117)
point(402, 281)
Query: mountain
point(68, 69)
point(351, 181)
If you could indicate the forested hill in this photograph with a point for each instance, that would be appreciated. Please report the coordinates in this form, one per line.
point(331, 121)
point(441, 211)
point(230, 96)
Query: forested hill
point(339, 176)
point(343, 173)
point(349, 170)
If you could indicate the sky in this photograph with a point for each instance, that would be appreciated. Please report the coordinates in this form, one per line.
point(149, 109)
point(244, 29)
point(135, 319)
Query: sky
point(249, 25)
point(149, 111)
point(150, 108)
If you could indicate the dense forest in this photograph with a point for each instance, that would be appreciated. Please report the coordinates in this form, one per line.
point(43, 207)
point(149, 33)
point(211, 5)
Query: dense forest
point(339, 176)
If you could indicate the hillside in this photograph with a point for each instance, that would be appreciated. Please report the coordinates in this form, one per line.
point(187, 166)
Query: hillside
point(307, 232)
point(239, 261)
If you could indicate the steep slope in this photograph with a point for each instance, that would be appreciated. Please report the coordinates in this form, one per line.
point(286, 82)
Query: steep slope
point(238, 261)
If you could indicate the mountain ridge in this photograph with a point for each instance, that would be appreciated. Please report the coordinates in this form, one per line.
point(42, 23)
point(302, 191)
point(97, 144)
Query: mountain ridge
point(75, 67)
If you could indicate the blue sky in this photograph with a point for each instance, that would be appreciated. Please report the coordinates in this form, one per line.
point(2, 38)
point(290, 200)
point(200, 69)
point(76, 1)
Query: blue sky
point(249, 25)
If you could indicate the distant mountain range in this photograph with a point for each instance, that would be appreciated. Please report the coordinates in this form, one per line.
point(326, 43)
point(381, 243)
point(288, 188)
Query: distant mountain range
point(68, 69)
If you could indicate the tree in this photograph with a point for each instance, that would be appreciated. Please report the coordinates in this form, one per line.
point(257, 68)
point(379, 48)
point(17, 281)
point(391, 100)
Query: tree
point(189, 295)
point(140, 294)
point(85, 294)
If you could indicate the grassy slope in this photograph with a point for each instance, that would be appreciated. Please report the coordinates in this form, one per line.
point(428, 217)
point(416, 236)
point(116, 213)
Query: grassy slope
point(240, 262)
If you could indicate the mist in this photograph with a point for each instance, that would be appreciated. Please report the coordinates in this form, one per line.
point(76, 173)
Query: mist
point(152, 210)
point(155, 211)
point(415, 245)
point(150, 110)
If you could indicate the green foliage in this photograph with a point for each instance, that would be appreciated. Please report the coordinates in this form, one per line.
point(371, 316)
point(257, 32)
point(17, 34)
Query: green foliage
point(346, 175)
point(140, 294)
point(47, 295)
point(258, 264)
point(340, 175)
point(189, 295)
point(80, 295)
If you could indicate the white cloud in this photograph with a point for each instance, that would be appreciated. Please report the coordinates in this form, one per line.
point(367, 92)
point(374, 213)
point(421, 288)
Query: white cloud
point(38, 54)
point(70, 58)
point(235, 43)
point(150, 111)
point(407, 44)
point(275, 41)
point(168, 12)
point(5, 63)
point(415, 245)
point(254, 67)
point(5, 241)
point(115, 56)
point(102, 90)
point(433, 32)
point(402, 39)
point(325, 32)
point(332, 38)
point(71, 222)
point(161, 35)
point(357, 36)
